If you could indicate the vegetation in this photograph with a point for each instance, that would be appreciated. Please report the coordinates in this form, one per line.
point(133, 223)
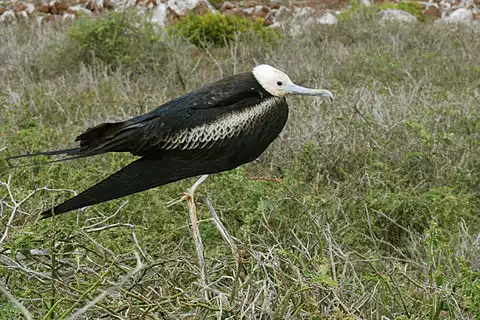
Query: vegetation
point(365, 207)
point(114, 39)
point(220, 30)
point(414, 8)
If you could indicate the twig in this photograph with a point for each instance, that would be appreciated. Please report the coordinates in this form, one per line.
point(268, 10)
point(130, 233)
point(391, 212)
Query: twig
point(18, 304)
point(357, 110)
point(15, 205)
point(223, 231)
point(109, 290)
point(215, 61)
point(115, 225)
point(255, 178)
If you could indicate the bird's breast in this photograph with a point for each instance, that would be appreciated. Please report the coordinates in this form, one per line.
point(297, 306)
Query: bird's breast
point(267, 116)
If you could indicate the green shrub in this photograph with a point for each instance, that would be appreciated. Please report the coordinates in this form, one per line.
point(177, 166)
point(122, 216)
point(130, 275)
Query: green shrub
point(220, 30)
point(414, 8)
point(349, 12)
point(113, 38)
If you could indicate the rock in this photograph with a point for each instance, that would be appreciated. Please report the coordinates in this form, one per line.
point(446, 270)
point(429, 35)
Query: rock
point(227, 6)
point(445, 8)
point(300, 13)
point(159, 14)
point(80, 10)
point(95, 5)
point(163, 15)
point(238, 12)
point(147, 4)
point(433, 11)
point(22, 15)
point(396, 15)
point(261, 11)
point(183, 7)
point(69, 17)
point(61, 6)
point(167, 12)
point(327, 18)
point(44, 8)
point(30, 8)
point(461, 15)
point(8, 17)
point(295, 20)
point(20, 7)
point(52, 8)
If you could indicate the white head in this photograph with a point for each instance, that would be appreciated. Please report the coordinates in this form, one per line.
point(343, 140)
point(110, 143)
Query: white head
point(279, 84)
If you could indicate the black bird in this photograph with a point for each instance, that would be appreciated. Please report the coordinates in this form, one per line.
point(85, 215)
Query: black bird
point(213, 129)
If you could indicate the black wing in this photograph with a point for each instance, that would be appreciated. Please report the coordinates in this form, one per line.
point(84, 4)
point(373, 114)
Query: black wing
point(144, 134)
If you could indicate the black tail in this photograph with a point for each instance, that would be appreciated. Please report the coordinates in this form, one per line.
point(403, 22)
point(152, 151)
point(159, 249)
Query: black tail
point(70, 152)
point(140, 175)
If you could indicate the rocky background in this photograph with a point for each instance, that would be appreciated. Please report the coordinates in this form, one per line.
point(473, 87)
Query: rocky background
point(282, 14)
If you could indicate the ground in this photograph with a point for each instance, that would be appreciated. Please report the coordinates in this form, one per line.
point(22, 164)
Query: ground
point(364, 207)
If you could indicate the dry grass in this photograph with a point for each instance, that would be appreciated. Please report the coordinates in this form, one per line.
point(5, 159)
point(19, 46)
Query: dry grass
point(376, 213)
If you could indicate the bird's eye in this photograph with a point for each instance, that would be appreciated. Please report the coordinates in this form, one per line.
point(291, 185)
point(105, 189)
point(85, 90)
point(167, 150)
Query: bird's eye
point(279, 83)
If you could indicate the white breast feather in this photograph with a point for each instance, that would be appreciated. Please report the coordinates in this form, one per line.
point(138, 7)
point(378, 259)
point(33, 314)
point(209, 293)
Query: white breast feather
point(227, 126)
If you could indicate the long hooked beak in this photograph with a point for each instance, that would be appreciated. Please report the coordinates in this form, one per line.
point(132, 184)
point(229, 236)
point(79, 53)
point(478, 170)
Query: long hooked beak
point(294, 89)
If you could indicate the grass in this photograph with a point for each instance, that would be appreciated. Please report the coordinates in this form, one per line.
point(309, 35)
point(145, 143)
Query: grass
point(376, 214)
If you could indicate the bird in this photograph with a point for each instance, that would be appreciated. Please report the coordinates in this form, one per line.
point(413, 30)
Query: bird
point(215, 128)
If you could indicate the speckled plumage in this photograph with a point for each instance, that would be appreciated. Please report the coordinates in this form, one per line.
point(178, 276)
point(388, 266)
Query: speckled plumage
point(212, 133)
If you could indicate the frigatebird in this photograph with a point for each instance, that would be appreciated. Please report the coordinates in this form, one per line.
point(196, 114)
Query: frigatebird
point(215, 128)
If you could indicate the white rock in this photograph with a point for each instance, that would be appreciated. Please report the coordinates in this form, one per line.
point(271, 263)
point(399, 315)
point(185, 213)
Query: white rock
point(80, 9)
point(68, 17)
point(275, 25)
point(303, 12)
point(258, 9)
point(461, 15)
point(396, 15)
point(179, 7)
point(22, 15)
point(30, 7)
point(248, 11)
point(8, 17)
point(227, 5)
point(327, 18)
point(182, 7)
point(296, 21)
point(159, 14)
point(281, 14)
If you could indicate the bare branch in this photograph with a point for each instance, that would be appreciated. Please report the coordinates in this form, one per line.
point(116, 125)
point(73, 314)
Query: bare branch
point(109, 290)
point(18, 304)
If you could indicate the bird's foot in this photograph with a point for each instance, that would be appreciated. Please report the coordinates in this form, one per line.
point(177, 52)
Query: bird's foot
point(183, 197)
point(189, 194)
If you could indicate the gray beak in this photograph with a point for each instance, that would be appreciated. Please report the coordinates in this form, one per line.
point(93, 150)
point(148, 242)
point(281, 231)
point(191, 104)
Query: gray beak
point(294, 89)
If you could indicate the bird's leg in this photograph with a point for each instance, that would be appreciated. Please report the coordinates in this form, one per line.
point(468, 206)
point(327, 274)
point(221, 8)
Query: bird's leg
point(192, 208)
